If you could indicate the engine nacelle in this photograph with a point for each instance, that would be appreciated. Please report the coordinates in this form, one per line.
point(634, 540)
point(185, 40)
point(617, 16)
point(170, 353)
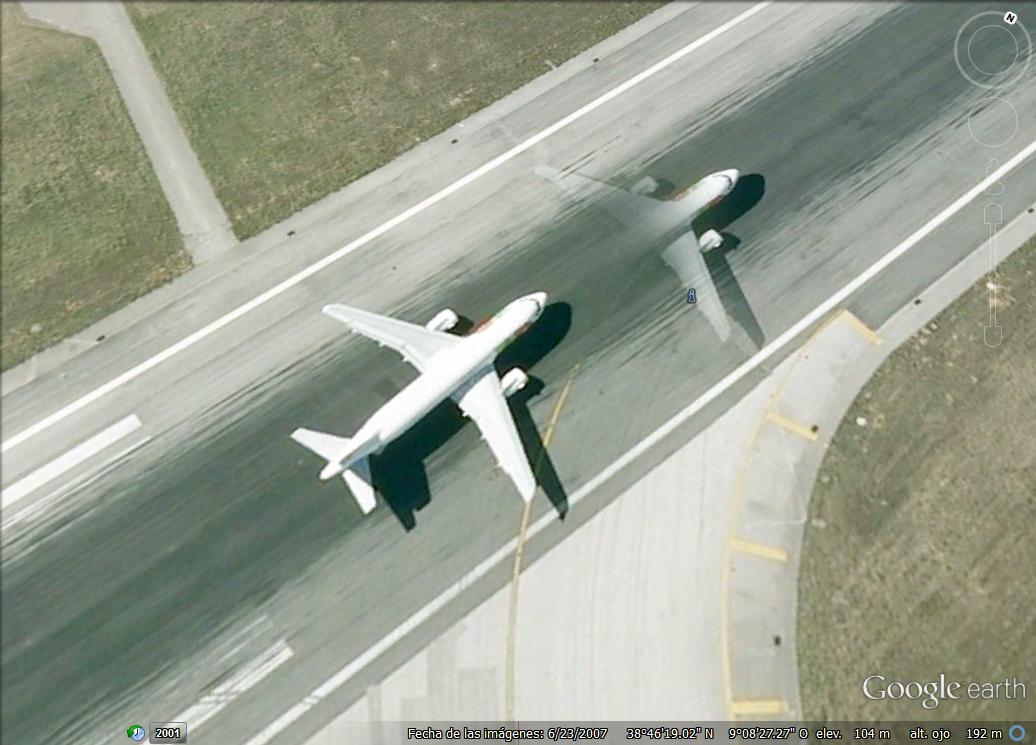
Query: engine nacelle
point(444, 320)
point(513, 381)
point(709, 240)
point(645, 187)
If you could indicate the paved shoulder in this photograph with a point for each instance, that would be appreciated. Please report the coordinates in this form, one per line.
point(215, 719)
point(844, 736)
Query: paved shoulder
point(807, 398)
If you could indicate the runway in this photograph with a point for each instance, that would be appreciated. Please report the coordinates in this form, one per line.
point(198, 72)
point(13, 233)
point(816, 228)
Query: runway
point(216, 540)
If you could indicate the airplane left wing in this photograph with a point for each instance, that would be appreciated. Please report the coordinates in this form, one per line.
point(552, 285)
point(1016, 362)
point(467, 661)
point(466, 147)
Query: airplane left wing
point(684, 256)
point(627, 207)
point(484, 403)
point(416, 343)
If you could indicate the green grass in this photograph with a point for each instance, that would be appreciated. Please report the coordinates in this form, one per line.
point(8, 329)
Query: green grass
point(86, 228)
point(920, 557)
point(288, 102)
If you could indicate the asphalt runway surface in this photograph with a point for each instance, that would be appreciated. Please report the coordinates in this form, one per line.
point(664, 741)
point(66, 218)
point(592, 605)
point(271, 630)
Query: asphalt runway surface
point(139, 605)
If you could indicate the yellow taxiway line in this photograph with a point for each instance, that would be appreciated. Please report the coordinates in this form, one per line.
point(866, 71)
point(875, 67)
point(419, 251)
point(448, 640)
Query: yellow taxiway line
point(761, 706)
point(758, 549)
point(512, 608)
point(796, 428)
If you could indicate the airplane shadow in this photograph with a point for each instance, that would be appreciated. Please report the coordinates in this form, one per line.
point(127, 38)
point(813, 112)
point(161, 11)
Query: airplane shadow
point(731, 296)
point(399, 473)
point(746, 195)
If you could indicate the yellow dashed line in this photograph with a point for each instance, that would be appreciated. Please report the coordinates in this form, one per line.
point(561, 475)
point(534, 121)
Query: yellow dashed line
point(765, 706)
point(512, 607)
point(758, 549)
point(792, 426)
point(863, 329)
point(555, 414)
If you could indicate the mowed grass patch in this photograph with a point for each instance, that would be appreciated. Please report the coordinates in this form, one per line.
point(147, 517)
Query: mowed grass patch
point(287, 102)
point(920, 557)
point(86, 228)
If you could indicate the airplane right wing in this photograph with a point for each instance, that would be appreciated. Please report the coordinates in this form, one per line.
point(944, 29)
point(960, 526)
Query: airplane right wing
point(416, 343)
point(484, 403)
point(627, 207)
point(685, 257)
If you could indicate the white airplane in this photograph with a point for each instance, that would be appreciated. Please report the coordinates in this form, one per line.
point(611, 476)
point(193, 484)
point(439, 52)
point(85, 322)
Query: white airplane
point(671, 216)
point(451, 366)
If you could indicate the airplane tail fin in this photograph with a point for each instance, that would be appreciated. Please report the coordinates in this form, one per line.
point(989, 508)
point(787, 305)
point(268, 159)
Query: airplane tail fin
point(346, 456)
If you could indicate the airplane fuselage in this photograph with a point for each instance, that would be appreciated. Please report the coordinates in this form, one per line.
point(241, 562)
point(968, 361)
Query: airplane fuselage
point(451, 369)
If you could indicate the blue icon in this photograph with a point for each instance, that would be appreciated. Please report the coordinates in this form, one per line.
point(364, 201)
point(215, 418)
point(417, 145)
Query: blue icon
point(136, 733)
point(1016, 732)
point(692, 296)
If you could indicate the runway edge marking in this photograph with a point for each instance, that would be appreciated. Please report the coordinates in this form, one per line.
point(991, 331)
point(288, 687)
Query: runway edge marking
point(342, 676)
point(369, 236)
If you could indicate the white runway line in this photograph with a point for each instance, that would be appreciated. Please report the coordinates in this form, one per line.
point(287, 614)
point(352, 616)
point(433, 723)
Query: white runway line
point(69, 460)
point(249, 675)
point(64, 494)
point(342, 676)
point(366, 238)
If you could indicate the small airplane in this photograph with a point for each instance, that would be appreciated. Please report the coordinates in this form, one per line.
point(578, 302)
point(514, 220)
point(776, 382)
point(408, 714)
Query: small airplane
point(671, 216)
point(451, 366)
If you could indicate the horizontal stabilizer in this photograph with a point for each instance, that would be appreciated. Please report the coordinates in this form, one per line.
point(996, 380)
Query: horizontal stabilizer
point(344, 455)
point(358, 478)
point(328, 447)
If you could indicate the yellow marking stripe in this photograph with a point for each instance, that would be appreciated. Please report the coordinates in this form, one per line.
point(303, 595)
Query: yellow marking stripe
point(771, 706)
point(792, 426)
point(758, 549)
point(863, 329)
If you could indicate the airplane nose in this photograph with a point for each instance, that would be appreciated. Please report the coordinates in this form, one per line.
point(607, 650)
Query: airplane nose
point(540, 298)
point(733, 174)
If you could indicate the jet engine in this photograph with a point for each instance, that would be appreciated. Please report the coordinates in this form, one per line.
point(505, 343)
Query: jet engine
point(444, 320)
point(645, 187)
point(709, 240)
point(513, 381)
